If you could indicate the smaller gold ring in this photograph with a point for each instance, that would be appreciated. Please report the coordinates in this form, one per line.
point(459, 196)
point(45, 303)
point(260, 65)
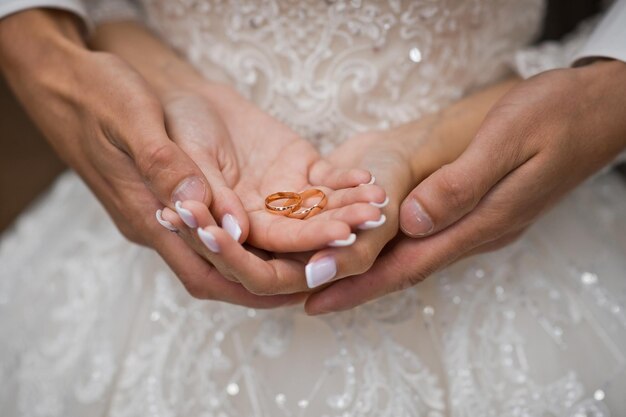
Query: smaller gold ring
point(293, 199)
point(303, 213)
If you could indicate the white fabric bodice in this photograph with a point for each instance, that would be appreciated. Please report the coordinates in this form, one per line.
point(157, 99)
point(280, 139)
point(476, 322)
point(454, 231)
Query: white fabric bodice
point(97, 326)
point(331, 68)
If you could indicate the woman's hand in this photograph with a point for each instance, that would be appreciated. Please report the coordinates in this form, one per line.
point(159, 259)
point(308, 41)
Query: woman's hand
point(106, 123)
point(391, 156)
point(245, 155)
point(266, 156)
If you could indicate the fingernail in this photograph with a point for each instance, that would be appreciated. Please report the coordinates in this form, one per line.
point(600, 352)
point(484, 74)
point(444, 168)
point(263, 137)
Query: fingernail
point(320, 272)
point(373, 224)
point(381, 205)
point(230, 224)
point(192, 188)
point(209, 240)
point(186, 215)
point(372, 181)
point(169, 226)
point(423, 224)
point(340, 243)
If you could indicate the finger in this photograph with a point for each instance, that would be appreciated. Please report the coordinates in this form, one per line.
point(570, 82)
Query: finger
point(179, 221)
point(200, 132)
point(194, 214)
point(234, 262)
point(283, 234)
point(497, 244)
point(455, 189)
point(203, 281)
point(505, 209)
point(334, 264)
point(187, 216)
point(261, 277)
point(169, 173)
point(325, 173)
point(367, 193)
point(388, 274)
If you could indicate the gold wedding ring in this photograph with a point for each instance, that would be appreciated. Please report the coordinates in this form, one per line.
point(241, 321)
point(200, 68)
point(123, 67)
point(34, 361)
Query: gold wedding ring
point(293, 203)
point(303, 213)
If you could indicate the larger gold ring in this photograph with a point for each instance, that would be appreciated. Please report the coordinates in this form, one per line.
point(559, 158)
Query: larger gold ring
point(303, 213)
point(293, 202)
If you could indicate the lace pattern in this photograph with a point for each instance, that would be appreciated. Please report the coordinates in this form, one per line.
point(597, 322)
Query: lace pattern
point(330, 69)
point(97, 326)
point(526, 331)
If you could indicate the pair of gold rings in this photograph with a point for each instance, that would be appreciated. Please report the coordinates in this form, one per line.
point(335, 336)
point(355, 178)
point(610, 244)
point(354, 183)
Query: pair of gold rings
point(292, 206)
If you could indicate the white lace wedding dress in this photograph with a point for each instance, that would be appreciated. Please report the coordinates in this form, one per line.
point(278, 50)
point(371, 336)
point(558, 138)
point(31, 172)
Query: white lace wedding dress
point(91, 325)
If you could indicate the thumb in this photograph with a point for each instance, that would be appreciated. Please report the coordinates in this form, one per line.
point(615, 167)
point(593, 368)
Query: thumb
point(165, 168)
point(455, 189)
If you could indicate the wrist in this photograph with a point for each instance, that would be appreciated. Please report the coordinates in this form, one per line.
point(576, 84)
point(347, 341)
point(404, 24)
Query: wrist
point(604, 100)
point(171, 78)
point(166, 72)
point(39, 45)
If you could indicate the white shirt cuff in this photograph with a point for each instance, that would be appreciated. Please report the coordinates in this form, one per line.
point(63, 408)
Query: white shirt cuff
point(8, 7)
point(608, 40)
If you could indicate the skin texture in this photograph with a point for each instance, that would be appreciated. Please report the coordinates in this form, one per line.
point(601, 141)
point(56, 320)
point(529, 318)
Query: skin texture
point(245, 155)
point(138, 142)
point(104, 120)
point(549, 133)
point(399, 158)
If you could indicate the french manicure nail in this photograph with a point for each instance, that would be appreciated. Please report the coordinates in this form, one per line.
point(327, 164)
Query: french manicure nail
point(320, 272)
point(381, 205)
point(192, 188)
point(372, 181)
point(340, 243)
point(186, 215)
point(373, 224)
point(209, 240)
point(230, 224)
point(169, 226)
point(423, 224)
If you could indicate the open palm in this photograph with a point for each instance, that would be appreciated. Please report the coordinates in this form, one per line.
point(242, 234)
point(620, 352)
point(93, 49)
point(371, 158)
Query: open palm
point(252, 155)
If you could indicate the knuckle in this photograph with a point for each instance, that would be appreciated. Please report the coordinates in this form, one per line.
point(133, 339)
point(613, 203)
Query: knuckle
point(130, 233)
point(509, 239)
point(194, 288)
point(155, 159)
point(461, 195)
point(258, 288)
point(416, 277)
point(364, 258)
point(413, 276)
point(497, 222)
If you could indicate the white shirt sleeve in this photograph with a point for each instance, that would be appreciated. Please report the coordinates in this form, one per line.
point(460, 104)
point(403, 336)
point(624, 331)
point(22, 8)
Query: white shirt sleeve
point(608, 40)
point(8, 7)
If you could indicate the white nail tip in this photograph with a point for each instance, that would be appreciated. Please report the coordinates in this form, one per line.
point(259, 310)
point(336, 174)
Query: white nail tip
point(209, 240)
point(230, 224)
point(169, 226)
point(339, 243)
point(186, 215)
point(320, 272)
point(381, 205)
point(372, 224)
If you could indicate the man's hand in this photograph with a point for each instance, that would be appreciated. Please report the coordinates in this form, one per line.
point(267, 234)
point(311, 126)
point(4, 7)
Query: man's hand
point(541, 139)
point(538, 142)
point(105, 122)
